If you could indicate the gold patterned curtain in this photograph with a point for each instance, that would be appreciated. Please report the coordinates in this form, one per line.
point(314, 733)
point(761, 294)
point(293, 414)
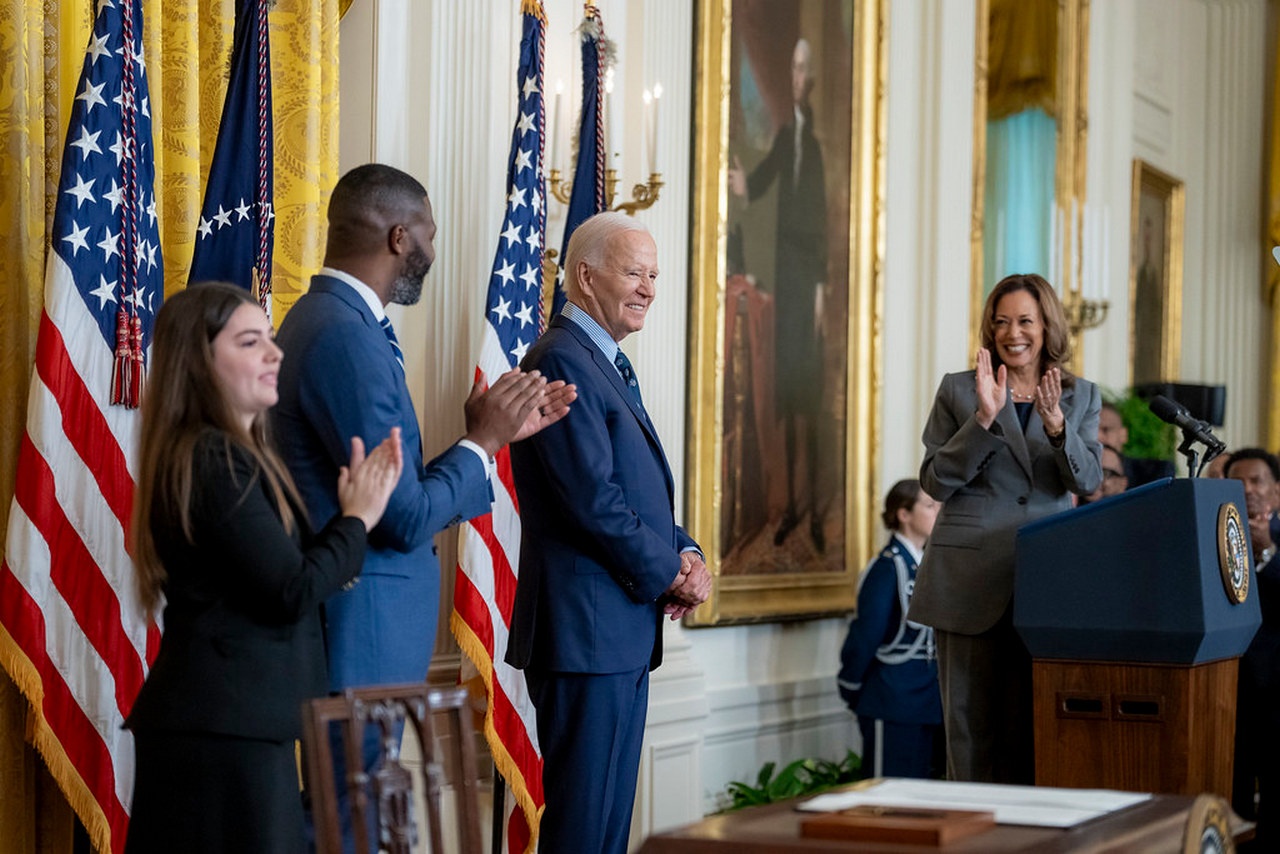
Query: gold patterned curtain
point(1022, 70)
point(187, 44)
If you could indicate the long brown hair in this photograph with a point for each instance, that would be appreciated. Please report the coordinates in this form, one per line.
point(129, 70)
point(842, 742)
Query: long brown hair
point(182, 400)
point(1056, 351)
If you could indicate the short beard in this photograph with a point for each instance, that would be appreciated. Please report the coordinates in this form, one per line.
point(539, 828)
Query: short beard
point(407, 288)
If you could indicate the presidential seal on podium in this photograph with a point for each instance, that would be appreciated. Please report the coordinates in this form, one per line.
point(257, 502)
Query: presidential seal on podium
point(1233, 552)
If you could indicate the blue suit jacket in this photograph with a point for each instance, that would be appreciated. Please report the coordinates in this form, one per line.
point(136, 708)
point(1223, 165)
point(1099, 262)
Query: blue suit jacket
point(599, 541)
point(339, 379)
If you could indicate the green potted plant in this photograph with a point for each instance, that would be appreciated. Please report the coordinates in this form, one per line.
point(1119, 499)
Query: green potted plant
point(1149, 437)
point(801, 777)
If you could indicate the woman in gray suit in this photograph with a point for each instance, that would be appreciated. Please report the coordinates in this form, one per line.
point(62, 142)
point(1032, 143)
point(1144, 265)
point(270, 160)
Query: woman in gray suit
point(1005, 444)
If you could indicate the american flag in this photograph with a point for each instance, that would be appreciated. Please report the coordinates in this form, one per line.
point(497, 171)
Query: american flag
point(72, 634)
point(489, 546)
point(588, 195)
point(235, 235)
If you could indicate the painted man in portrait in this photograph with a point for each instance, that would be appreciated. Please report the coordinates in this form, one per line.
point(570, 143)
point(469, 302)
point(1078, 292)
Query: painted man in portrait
point(794, 166)
point(1148, 307)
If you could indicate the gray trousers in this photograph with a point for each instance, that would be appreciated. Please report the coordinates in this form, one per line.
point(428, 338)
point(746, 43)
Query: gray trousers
point(986, 705)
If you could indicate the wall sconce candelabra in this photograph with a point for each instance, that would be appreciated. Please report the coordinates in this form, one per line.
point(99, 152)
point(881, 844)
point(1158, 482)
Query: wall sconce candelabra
point(1083, 313)
point(1080, 251)
point(643, 196)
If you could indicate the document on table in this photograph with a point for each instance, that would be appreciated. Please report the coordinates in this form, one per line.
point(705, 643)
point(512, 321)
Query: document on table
point(1035, 806)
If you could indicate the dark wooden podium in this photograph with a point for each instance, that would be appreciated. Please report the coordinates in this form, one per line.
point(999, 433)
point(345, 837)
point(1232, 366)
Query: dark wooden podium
point(1135, 631)
point(1135, 727)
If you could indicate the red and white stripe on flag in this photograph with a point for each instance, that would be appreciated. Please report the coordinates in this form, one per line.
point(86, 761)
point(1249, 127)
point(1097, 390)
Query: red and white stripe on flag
point(73, 636)
point(489, 546)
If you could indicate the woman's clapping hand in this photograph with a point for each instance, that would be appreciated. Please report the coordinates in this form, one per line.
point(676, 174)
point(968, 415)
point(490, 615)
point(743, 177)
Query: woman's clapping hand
point(365, 484)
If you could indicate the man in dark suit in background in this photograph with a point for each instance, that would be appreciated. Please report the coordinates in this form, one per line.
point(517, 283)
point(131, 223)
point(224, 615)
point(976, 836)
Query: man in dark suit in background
point(794, 164)
point(601, 556)
point(343, 375)
point(1257, 753)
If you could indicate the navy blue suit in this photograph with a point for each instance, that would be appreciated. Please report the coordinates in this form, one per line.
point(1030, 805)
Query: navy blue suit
point(1257, 753)
point(339, 379)
point(599, 548)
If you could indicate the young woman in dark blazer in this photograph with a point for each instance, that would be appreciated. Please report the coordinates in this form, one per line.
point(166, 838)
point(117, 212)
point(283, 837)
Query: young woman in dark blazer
point(220, 537)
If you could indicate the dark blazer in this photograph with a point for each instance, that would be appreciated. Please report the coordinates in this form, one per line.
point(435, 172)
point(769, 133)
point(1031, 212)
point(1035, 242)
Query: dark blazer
point(339, 379)
point(1260, 664)
point(599, 543)
point(990, 482)
point(242, 645)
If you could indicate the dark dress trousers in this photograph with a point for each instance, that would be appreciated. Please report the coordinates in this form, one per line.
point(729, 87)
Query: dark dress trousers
point(990, 482)
point(599, 546)
point(216, 720)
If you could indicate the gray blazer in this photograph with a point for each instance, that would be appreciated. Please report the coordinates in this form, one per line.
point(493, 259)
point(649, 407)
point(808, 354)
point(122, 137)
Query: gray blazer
point(990, 482)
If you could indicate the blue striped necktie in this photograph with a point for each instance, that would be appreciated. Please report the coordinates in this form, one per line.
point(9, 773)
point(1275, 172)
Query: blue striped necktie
point(628, 375)
point(392, 340)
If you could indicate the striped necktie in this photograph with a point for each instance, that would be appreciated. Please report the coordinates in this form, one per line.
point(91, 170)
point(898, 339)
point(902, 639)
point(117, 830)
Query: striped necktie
point(392, 340)
point(628, 375)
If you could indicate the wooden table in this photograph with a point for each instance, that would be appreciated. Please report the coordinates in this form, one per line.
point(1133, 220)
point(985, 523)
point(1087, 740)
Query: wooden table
point(1146, 828)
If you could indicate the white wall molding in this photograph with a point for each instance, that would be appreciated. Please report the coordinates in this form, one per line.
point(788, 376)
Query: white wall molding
point(930, 193)
point(1219, 129)
point(1113, 125)
point(1152, 123)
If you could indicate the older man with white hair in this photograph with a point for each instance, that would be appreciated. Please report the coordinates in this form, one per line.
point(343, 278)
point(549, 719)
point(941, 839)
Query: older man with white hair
point(601, 555)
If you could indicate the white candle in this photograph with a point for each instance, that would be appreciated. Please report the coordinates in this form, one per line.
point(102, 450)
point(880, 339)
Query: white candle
point(557, 126)
point(610, 122)
point(1055, 245)
point(1060, 273)
point(999, 265)
point(653, 129)
point(1085, 283)
point(648, 130)
point(1076, 245)
point(1106, 251)
point(1095, 252)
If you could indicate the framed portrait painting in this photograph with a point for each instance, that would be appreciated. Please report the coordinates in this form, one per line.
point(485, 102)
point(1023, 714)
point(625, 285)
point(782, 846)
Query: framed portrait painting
point(1155, 274)
point(788, 211)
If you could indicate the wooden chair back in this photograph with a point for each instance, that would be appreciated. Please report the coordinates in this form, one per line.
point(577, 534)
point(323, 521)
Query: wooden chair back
point(441, 722)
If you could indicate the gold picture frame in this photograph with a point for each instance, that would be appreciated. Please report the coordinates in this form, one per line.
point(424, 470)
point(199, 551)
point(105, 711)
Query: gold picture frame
point(737, 462)
point(1155, 275)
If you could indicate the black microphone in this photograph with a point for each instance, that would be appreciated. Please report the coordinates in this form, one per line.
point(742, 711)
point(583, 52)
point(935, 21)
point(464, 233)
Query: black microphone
point(1168, 411)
